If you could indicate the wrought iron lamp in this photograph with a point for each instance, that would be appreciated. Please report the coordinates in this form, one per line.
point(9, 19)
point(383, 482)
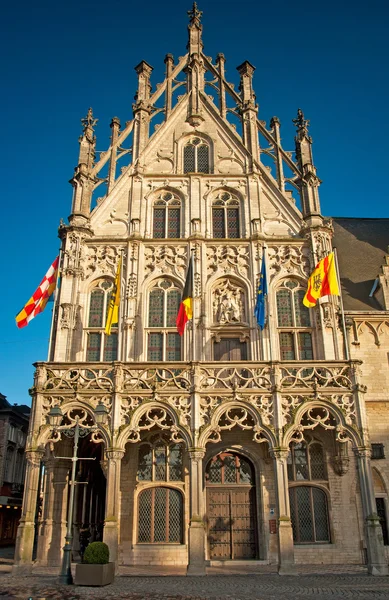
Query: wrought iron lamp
point(55, 417)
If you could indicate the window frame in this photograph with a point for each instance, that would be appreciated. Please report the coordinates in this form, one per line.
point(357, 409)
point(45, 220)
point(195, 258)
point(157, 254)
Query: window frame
point(226, 202)
point(167, 204)
point(296, 529)
point(201, 142)
point(168, 450)
point(100, 329)
point(164, 330)
point(295, 330)
point(153, 505)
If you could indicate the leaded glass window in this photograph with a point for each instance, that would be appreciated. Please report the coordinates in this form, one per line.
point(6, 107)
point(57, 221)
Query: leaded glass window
point(306, 461)
point(229, 469)
point(226, 216)
point(164, 302)
point(160, 461)
point(309, 514)
point(160, 516)
point(294, 325)
point(167, 216)
point(99, 346)
point(196, 156)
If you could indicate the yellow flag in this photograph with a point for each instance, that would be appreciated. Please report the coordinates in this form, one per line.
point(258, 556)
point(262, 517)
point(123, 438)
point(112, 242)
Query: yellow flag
point(322, 282)
point(113, 308)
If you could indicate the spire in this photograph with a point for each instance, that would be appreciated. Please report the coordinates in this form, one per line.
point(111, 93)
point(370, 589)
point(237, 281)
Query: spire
point(195, 45)
point(309, 180)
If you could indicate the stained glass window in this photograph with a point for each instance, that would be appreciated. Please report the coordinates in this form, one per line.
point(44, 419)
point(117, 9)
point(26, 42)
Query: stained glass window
point(293, 316)
point(196, 157)
point(228, 468)
point(167, 216)
point(306, 462)
point(164, 302)
point(99, 346)
point(160, 461)
point(225, 216)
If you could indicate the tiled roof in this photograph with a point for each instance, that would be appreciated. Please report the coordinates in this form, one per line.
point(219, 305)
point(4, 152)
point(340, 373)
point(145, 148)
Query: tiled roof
point(361, 247)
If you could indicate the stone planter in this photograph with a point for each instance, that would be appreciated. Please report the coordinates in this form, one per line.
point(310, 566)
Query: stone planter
point(94, 574)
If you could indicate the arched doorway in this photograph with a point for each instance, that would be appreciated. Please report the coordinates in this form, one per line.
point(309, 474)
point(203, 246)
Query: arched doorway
point(231, 508)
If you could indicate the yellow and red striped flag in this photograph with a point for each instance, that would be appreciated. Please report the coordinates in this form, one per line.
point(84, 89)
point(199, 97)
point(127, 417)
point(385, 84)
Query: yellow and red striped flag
point(114, 302)
point(38, 300)
point(322, 282)
point(185, 311)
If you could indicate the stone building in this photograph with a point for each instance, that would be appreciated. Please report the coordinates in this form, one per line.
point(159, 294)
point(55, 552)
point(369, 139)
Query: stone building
point(13, 434)
point(232, 442)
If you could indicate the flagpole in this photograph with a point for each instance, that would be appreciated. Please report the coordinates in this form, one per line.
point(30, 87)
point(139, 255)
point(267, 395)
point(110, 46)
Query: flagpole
point(193, 308)
point(120, 311)
point(346, 345)
point(55, 307)
point(267, 313)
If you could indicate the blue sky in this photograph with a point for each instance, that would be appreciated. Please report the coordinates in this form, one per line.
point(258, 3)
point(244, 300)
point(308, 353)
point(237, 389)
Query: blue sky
point(329, 58)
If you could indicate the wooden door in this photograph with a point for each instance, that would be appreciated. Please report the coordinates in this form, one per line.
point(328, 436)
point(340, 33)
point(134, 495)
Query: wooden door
point(229, 349)
point(231, 508)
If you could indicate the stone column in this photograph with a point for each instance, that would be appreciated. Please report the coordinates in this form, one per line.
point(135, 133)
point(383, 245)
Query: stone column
point(376, 560)
point(196, 535)
point(112, 503)
point(59, 505)
point(285, 533)
point(46, 528)
point(26, 529)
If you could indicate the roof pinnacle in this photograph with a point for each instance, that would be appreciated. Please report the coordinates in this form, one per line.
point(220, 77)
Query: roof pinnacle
point(195, 15)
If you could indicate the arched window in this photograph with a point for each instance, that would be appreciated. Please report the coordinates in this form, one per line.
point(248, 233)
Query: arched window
point(228, 468)
point(160, 516)
point(308, 504)
point(100, 347)
point(160, 461)
point(167, 216)
point(163, 341)
point(294, 323)
point(196, 156)
point(225, 216)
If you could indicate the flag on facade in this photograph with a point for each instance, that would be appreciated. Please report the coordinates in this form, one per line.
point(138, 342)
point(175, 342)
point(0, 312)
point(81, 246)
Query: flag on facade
point(114, 301)
point(259, 310)
point(322, 282)
point(185, 311)
point(40, 297)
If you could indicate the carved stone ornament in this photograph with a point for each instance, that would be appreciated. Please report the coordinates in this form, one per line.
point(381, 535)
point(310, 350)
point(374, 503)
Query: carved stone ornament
point(228, 259)
point(288, 259)
point(228, 303)
point(321, 244)
point(102, 259)
point(166, 259)
point(74, 255)
point(65, 321)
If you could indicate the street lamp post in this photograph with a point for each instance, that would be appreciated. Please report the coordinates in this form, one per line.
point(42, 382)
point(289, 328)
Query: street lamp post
point(55, 417)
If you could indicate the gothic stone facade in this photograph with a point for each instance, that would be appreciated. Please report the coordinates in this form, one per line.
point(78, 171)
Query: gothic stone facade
point(231, 442)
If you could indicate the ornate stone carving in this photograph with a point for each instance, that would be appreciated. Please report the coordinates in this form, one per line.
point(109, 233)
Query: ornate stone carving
point(65, 322)
point(288, 259)
point(166, 259)
point(103, 259)
point(208, 404)
point(264, 405)
point(228, 259)
point(228, 303)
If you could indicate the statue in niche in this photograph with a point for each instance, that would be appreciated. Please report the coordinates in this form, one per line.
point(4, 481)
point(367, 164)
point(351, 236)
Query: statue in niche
point(228, 306)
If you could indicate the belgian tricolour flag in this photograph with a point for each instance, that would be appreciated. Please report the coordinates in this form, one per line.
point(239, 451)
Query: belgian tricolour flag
point(185, 311)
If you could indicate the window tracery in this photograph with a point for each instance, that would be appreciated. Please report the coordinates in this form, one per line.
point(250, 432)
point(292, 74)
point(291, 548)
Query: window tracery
point(294, 324)
point(226, 216)
point(159, 460)
point(167, 216)
point(100, 347)
point(196, 156)
point(163, 341)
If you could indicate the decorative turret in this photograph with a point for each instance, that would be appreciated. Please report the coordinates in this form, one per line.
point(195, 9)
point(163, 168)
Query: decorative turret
point(249, 109)
point(195, 44)
point(309, 180)
point(142, 108)
point(83, 181)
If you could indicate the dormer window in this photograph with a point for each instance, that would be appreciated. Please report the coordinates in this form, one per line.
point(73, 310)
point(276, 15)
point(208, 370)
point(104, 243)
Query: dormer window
point(196, 156)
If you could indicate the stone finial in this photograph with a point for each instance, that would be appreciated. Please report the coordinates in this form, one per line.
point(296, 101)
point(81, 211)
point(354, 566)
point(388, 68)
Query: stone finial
point(195, 15)
point(88, 123)
point(301, 123)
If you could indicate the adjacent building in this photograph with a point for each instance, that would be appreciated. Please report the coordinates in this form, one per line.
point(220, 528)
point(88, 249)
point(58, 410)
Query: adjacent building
point(231, 442)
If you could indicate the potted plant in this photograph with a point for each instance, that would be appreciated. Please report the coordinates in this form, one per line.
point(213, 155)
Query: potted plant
point(95, 568)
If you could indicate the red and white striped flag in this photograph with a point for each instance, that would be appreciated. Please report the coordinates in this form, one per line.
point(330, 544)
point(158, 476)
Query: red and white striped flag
point(38, 300)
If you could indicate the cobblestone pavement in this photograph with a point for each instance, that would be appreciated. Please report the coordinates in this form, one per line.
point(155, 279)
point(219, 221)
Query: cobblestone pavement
point(334, 586)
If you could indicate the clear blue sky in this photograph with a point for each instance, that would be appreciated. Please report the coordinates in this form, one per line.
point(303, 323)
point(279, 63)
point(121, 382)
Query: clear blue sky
point(329, 58)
